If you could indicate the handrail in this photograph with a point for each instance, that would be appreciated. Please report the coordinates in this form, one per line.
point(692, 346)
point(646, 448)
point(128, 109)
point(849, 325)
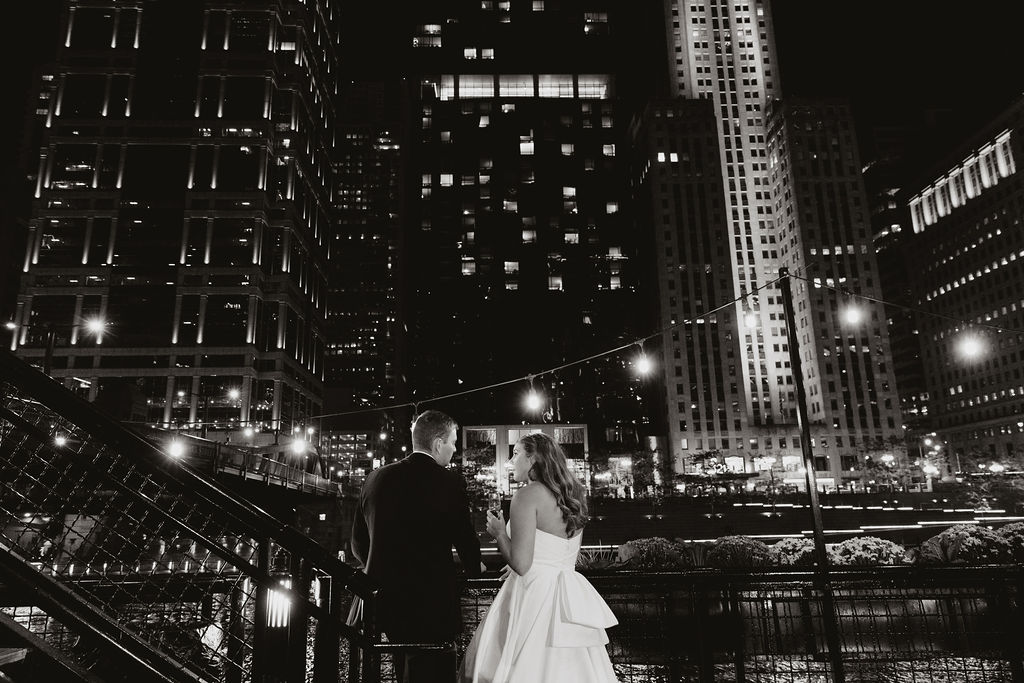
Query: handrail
point(131, 650)
point(82, 413)
point(98, 493)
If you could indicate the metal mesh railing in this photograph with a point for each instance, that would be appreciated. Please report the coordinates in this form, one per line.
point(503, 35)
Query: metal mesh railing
point(906, 625)
point(194, 574)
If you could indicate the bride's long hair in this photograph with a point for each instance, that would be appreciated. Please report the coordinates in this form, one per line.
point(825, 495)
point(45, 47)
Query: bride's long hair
point(551, 469)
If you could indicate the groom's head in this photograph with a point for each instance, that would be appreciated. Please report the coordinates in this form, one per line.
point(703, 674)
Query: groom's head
point(433, 432)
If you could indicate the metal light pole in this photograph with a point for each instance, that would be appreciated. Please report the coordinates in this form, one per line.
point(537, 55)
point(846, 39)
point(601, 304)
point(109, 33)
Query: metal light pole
point(831, 629)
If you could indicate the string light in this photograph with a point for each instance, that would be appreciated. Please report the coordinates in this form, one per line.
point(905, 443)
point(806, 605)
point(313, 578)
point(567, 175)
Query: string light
point(533, 399)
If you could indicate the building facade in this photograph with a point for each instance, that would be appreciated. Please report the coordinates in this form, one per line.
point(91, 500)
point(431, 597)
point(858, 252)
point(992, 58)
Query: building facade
point(364, 269)
point(824, 235)
point(521, 248)
point(969, 248)
point(744, 414)
point(175, 250)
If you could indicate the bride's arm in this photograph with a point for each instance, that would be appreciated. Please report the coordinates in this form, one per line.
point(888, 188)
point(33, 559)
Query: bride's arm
point(518, 550)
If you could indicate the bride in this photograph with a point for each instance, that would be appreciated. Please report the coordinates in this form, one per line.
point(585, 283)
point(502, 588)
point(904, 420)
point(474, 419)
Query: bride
point(547, 623)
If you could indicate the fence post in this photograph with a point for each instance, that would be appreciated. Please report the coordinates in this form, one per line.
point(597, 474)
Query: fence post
point(236, 636)
point(298, 624)
point(371, 658)
point(326, 659)
point(262, 613)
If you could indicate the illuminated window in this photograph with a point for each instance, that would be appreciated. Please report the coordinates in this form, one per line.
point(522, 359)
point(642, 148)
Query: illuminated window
point(476, 85)
point(515, 85)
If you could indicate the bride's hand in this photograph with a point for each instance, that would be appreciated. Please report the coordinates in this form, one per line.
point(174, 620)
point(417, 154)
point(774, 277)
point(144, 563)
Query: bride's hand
point(495, 523)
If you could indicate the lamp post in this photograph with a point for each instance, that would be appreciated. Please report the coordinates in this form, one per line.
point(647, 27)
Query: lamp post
point(831, 628)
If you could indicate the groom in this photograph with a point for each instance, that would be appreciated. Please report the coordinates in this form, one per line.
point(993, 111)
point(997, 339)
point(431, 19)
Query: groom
point(410, 515)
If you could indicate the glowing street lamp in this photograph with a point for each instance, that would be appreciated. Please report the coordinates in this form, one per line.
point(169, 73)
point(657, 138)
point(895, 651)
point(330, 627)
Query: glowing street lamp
point(970, 346)
point(853, 315)
point(298, 446)
point(234, 394)
point(60, 440)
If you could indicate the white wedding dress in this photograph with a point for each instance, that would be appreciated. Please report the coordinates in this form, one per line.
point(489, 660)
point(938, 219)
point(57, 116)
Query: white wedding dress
point(547, 626)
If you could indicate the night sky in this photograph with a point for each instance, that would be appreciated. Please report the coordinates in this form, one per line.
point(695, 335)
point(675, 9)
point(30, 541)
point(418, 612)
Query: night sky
point(892, 58)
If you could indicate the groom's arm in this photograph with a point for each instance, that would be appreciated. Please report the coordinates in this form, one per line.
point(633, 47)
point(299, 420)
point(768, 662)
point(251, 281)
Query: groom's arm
point(465, 540)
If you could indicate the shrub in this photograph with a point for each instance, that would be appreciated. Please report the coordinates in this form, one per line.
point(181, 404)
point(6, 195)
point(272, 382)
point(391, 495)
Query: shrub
point(866, 550)
point(1013, 534)
point(792, 552)
point(964, 544)
point(737, 551)
point(597, 558)
point(652, 553)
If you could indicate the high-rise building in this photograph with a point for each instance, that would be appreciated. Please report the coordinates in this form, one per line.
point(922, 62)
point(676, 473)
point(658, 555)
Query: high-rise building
point(175, 251)
point(724, 53)
point(824, 233)
point(969, 249)
point(522, 248)
point(363, 267)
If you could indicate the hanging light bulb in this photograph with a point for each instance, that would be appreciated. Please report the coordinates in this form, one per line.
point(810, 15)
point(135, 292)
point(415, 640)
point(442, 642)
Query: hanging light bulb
point(642, 363)
point(534, 401)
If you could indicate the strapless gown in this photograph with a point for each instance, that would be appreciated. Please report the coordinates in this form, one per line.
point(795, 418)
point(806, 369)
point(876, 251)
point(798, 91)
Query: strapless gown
point(547, 626)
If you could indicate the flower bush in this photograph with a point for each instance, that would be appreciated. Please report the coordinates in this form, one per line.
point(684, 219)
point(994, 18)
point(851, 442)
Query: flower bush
point(597, 558)
point(652, 553)
point(866, 550)
point(1013, 534)
point(792, 552)
point(965, 544)
point(738, 551)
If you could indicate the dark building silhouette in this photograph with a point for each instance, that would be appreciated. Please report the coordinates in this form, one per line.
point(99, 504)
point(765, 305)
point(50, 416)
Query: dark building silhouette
point(522, 249)
point(181, 209)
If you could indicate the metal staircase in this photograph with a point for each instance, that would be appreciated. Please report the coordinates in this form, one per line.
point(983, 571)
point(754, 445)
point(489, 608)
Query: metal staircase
point(120, 562)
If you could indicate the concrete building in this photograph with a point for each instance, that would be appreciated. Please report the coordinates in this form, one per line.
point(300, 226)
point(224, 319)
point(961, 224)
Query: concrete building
point(737, 397)
point(175, 250)
point(969, 249)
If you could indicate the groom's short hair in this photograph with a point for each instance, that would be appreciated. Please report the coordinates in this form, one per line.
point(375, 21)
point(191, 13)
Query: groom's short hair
point(430, 425)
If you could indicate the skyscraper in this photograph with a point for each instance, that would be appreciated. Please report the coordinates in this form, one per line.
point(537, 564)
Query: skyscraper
point(363, 265)
point(970, 248)
point(724, 53)
point(522, 251)
point(175, 251)
point(824, 233)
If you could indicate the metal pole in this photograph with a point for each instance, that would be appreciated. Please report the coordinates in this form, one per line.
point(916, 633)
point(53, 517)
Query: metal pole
point(831, 628)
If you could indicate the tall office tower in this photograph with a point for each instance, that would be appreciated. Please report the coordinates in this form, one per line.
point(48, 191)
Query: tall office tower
point(521, 246)
point(886, 171)
point(969, 249)
point(680, 181)
point(824, 233)
point(363, 267)
point(724, 52)
point(176, 243)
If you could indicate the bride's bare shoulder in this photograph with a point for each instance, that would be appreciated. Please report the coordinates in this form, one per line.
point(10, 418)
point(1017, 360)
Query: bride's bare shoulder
point(532, 494)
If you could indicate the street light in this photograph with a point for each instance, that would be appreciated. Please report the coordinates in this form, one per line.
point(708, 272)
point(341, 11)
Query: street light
point(831, 628)
point(95, 326)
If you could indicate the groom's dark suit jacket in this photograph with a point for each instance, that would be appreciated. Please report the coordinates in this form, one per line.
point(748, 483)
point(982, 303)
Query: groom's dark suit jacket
point(411, 513)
